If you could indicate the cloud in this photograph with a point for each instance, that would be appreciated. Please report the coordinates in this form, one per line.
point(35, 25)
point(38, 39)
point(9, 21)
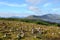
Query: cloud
point(55, 9)
point(9, 14)
point(12, 14)
point(35, 9)
point(33, 2)
point(47, 4)
point(12, 4)
point(34, 5)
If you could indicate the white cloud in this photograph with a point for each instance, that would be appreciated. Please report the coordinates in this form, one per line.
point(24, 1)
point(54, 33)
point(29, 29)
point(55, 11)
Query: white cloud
point(12, 4)
point(47, 4)
point(8, 14)
point(35, 9)
point(11, 14)
point(56, 9)
point(33, 2)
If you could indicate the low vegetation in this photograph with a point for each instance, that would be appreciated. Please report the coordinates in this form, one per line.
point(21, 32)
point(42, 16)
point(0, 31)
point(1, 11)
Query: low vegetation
point(36, 21)
point(11, 29)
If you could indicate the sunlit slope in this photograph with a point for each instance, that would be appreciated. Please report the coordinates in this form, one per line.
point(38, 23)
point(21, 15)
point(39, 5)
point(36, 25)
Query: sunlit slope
point(12, 30)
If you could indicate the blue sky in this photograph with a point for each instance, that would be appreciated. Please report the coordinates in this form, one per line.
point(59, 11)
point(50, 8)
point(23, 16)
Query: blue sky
point(20, 8)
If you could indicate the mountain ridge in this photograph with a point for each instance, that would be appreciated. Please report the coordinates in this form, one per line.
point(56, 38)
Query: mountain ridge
point(48, 17)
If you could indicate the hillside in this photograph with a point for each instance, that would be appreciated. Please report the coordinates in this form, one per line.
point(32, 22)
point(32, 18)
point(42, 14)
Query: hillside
point(53, 18)
point(46, 16)
point(17, 30)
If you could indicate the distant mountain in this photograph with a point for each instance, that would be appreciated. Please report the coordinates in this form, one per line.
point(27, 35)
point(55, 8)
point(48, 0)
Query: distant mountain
point(48, 17)
point(15, 17)
point(51, 16)
point(33, 17)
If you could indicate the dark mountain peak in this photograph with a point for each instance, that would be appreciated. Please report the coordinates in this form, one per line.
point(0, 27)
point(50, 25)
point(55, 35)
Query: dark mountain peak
point(33, 17)
point(51, 16)
point(46, 16)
